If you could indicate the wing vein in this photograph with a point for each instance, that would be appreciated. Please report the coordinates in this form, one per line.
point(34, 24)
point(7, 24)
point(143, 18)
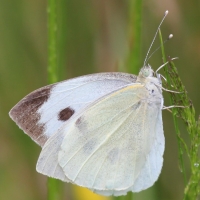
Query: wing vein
point(102, 143)
point(138, 146)
point(120, 145)
point(94, 135)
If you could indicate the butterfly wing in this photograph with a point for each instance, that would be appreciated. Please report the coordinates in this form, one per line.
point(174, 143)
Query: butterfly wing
point(110, 146)
point(152, 168)
point(48, 160)
point(47, 163)
point(154, 161)
point(41, 113)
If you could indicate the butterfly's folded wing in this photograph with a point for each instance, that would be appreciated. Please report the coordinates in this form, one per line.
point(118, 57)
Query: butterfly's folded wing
point(152, 168)
point(48, 160)
point(109, 148)
point(41, 113)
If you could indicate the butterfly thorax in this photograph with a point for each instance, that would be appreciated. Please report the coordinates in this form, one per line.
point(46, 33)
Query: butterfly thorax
point(152, 84)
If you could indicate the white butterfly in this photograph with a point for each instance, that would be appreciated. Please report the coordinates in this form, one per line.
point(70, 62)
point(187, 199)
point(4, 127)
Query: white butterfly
point(101, 131)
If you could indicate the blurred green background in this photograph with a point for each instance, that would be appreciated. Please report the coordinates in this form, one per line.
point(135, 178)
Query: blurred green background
point(93, 36)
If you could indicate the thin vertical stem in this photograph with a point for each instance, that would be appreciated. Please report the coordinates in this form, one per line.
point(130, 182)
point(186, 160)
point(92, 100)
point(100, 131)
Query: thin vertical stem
point(187, 114)
point(54, 186)
point(54, 189)
point(135, 19)
point(52, 42)
point(173, 112)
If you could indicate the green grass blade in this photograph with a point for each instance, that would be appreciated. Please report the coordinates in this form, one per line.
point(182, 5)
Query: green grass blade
point(174, 111)
point(52, 42)
point(54, 186)
point(55, 189)
point(187, 114)
point(135, 22)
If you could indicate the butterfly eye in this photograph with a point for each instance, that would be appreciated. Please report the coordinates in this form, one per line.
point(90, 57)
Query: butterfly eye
point(146, 72)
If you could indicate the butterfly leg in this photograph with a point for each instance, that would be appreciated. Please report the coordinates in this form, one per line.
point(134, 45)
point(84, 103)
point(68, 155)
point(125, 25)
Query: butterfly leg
point(174, 106)
point(165, 64)
point(168, 90)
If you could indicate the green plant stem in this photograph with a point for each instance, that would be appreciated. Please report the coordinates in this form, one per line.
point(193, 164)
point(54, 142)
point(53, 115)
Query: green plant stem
point(187, 114)
point(192, 189)
point(129, 196)
point(54, 189)
point(52, 42)
point(54, 186)
point(181, 163)
point(135, 20)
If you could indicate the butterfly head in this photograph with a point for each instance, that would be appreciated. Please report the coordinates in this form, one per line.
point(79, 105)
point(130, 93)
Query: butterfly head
point(147, 74)
point(146, 71)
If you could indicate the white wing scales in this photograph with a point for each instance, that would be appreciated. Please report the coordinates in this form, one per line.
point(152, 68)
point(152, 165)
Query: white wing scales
point(75, 95)
point(150, 172)
point(41, 113)
point(114, 150)
point(96, 131)
point(48, 159)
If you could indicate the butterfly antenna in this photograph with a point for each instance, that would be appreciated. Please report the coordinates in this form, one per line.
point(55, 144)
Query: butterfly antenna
point(166, 12)
point(169, 37)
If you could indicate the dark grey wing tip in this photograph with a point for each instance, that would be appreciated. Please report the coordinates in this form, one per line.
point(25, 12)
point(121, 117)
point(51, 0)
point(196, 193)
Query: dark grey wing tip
point(25, 114)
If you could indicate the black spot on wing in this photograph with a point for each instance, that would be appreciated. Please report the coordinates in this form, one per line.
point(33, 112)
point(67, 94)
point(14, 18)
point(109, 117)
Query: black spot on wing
point(65, 114)
point(26, 116)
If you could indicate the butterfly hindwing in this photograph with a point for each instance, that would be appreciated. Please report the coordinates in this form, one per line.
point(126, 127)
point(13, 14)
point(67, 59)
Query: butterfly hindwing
point(108, 147)
point(154, 161)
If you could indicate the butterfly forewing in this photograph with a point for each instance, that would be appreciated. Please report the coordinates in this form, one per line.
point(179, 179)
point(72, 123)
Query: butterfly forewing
point(41, 113)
